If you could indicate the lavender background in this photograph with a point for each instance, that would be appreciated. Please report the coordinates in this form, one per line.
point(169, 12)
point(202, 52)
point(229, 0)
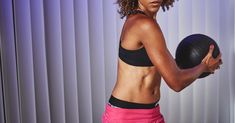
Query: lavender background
point(59, 60)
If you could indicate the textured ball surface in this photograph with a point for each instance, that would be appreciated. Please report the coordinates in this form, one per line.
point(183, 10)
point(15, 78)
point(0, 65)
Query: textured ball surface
point(193, 49)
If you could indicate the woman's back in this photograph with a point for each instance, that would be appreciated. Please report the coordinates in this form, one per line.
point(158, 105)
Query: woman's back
point(135, 83)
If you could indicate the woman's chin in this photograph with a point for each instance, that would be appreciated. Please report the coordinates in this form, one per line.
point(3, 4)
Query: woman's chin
point(154, 9)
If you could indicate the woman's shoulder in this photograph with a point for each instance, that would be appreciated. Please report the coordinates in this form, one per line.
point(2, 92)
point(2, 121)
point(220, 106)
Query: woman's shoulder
point(143, 23)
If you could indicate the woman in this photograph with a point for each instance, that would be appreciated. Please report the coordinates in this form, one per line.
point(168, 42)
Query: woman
point(143, 60)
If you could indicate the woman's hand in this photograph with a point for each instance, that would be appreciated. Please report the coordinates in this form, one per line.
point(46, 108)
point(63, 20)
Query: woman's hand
point(211, 63)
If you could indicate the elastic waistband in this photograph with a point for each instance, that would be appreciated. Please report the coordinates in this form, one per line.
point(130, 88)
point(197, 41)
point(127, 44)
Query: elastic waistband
point(130, 105)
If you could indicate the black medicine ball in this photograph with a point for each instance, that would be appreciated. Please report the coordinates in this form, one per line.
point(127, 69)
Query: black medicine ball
point(193, 49)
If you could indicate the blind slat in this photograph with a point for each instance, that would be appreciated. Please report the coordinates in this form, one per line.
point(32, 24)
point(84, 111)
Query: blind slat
point(25, 61)
point(69, 61)
point(52, 14)
point(83, 60)
point(40, 65)
point(65, 56)
point(9, 63)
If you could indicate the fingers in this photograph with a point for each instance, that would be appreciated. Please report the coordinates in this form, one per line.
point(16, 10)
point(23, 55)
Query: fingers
point(209, 54)
point(220, 61)
point(218, 58)
point(211, 49)
point(211, 62)
point(216, 66)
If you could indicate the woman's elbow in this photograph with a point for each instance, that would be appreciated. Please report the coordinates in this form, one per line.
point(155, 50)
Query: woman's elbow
point(175, 85)
point(175, 81)
point(176, 88)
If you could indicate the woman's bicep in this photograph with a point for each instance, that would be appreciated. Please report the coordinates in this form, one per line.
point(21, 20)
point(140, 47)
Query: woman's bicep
point(164, 62)
point(156, 48)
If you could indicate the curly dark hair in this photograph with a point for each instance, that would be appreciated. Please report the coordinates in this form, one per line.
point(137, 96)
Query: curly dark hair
point(125, 6)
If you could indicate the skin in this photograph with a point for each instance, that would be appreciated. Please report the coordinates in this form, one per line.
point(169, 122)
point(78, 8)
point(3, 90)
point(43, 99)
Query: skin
point(142, 84)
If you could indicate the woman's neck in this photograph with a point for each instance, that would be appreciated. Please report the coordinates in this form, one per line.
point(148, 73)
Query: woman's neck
point(148, 13)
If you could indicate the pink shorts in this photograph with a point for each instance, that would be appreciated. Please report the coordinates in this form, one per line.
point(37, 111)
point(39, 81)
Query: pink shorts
point(122, 115)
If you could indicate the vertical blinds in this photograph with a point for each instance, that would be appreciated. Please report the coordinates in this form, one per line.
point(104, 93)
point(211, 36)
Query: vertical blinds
point(59, 60)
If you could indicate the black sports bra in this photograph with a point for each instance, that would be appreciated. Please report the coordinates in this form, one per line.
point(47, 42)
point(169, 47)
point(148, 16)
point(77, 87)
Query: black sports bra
point(137, 57)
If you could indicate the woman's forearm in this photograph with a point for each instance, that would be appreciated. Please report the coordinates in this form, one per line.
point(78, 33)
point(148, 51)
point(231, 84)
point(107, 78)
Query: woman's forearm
point(188, 76)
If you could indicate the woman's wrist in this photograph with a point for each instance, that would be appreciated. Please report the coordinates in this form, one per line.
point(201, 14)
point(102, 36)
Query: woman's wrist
point(203, 66)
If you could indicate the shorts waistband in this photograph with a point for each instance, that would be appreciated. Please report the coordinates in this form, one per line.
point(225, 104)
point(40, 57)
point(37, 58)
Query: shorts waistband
point(130, 105)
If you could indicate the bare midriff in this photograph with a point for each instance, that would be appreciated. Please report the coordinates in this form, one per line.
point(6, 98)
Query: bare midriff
point(137, 84)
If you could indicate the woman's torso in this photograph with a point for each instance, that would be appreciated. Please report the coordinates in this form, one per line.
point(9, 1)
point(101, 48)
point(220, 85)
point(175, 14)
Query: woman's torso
point(140, 84)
